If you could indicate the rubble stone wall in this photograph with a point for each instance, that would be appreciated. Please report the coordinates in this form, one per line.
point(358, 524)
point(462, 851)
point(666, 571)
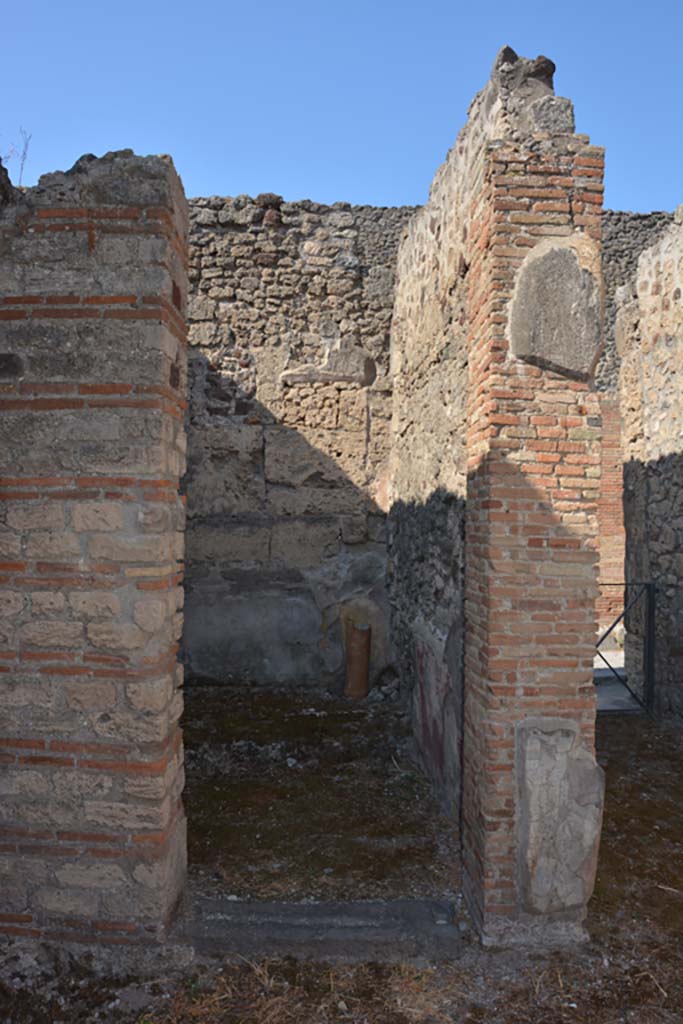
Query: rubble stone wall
point(289, 435)
point(290, 314)
point(650, 342)
point(624, 237)
point(93, 282)
point(429, 473)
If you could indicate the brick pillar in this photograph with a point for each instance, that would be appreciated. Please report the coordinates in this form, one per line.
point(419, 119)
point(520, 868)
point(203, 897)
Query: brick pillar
point(92, 376)
point(532, 791)
point(611, 514)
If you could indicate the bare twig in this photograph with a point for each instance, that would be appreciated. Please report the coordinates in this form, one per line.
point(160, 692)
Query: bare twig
point(650, 975)
point(20, 154)
point(26, 140)
point(537, 982)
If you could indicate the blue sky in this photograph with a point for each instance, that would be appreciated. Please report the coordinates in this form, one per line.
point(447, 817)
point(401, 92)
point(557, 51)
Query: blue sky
point(356, 101)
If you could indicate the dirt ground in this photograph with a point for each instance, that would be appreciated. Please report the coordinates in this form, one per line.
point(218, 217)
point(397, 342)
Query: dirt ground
point(293, 794)
point(631, 972)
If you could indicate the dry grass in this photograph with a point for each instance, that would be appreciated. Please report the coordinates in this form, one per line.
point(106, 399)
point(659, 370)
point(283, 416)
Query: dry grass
point(485, 989)
point(282, 991)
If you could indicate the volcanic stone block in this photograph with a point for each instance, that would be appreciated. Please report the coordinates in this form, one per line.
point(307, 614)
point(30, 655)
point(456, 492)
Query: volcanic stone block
point(555, 314)
point(560, 794)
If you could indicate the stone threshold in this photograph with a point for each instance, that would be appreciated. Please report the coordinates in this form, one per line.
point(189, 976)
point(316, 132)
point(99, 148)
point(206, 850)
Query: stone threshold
point(413, 931)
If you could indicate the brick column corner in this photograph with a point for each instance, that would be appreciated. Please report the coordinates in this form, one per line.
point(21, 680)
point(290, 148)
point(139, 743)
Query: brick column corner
point(92, 377)
point(532, 800)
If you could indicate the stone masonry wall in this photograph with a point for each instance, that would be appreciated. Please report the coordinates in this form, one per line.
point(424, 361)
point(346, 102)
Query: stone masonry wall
point(624, 237)
point(287, 484)
point(650, 341)
point(289, 433)
point(346, 362)
point(93, 285)
point(514, 214)
point(429, 475)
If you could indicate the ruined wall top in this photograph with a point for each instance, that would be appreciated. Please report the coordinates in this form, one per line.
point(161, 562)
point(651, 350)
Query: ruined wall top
point(119, 178)
point(519, 99)
point(7, 190)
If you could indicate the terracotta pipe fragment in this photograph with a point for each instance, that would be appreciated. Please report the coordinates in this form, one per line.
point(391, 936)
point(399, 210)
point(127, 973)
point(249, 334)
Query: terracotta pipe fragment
point(358, 639)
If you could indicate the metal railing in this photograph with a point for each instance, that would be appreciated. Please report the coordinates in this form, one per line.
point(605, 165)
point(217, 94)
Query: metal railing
point(647, 594)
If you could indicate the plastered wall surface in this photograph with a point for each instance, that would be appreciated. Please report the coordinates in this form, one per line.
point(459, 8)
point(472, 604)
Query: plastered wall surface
point(289, 435)
point(650, 341)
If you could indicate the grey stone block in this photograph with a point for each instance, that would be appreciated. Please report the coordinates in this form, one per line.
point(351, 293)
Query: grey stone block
point(391, 930)
point(559, 816)
point(555, 313)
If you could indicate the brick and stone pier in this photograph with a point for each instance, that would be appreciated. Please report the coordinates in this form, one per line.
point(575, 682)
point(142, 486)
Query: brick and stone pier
point(532, 790)
point(497, 330)
point(92, 380)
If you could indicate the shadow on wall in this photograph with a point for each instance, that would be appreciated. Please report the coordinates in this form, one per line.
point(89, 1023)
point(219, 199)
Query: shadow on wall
point(426, 588)
point(533, 792)
point(530, 633)
point(653, 514)
point(281, 546)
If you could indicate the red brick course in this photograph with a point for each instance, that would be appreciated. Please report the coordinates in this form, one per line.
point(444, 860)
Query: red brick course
point(611, 514)
point(90, 747)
